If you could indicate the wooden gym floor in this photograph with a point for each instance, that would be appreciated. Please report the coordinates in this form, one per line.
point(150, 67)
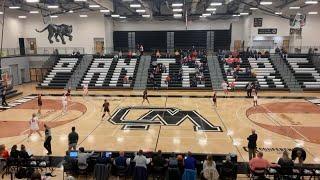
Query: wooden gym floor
point(178, 121)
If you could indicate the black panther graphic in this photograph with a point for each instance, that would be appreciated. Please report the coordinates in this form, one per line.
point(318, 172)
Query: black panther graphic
point(58, 30)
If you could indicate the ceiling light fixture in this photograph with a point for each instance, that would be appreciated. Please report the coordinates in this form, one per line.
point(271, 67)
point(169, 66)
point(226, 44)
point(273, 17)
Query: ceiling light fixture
point(278, 13)
point(105, 10)
point(216, 4)
point(244, 13)
point(94, 6)
point(80, 0)
point(206, 15)
point(122, 17)
point(140, 10)
point(265, 3)
point(115, 15)
point(32, 1)
point(22, 17)
point(253, 8)
point(135, 5)
point(53, 6)
point(177, 15)
point(14, 7)
point(236, 15)
point(83, 15)
point(34, 12)
point(54, 16)
point(311, 2)
point(146, 15)
point(177, 10)
point(211, 9)
point(1, 12)
point(71, 11)
point(294, 7)
point(313, 13)
point(177, 4)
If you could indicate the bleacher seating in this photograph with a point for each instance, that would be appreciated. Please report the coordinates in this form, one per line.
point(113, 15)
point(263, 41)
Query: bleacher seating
point(260, 70)
point(110, 72)
point(61, 72)
point(9, 94)
point(182, 75)
point(304, 71)
point(267, 75)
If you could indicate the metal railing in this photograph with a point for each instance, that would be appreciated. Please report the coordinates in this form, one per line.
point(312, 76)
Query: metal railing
point(7, 52)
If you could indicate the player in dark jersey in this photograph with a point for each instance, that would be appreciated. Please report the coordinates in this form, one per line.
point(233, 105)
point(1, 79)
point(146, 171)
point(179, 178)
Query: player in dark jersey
point(145, 96)
point(105, 108)
point(214, 98)
point(39, 103)
point(68, 94)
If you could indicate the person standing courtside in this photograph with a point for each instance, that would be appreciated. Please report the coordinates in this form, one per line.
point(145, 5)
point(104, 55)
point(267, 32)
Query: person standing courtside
point(105, 108)
point(4, 93)
point(252, 144)
point(73, 138)
point(145, 96)
point(39, 103)
point(47, 140)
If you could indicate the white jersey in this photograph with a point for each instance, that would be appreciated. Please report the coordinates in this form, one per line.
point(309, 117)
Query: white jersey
point(85, 86)
point(34, 124)
point(64, 99)
point(255, 97)
point(224, 86)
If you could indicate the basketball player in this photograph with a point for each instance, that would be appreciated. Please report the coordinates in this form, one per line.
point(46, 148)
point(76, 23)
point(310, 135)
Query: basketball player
point(214, 98)
point(105, 108)
point(68, 94)
point(39, 103)
point(145, 96)
point(224, 86)
point(4, 94)
point(64, 103)
point(34, 125)
point(255, 98)
point(85, 89)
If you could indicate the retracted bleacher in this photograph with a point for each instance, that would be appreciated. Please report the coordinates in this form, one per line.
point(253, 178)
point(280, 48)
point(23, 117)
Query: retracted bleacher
point(109, 72)
point(304, 71)
point(61, 72)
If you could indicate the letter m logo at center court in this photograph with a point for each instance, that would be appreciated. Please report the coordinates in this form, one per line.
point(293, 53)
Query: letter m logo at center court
point(143, 117)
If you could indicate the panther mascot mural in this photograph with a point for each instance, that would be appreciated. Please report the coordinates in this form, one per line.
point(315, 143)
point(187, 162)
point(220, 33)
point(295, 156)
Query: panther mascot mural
point(58, 30)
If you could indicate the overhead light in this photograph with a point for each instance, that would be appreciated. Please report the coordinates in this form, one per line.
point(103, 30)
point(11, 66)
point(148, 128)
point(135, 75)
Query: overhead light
point(34, 12)
point(244, 13)
point(177, 15)
point(311, 2)
point(211, 9)
point(278, 13)
point(177, 4)
point(80, 0)
point(140, 10)
point(313, 13)
point(14, 7)
point(53, 16)
point(83, 15)
point(104, 10)
point(265, 3)
point(216, 4)
point(32, 1)
point(236, 15)
point(115, 15)
point(22, 17)
point(53, 6)
point(1, 12)
point(135, 5)
point(71, 11)
point(177, 10)
point(94, 6)
point(294, 7)
point(122, 17)
point(146, 15)
point(206, 15)
point(253, 8)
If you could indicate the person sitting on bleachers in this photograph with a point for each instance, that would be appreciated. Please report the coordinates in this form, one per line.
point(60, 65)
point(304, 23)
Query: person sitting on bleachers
point(260, 163)
point(286, 164)
point(23, 153)
point(83, 158)
point(159, 163)
point(3, 152)
point(14, 153)
point(189, 167)
point(129, 54)
point(158, 55)
point(121, 160)
point(168, 79)
point(228, 170)
point(209, 170)
point(126, 79)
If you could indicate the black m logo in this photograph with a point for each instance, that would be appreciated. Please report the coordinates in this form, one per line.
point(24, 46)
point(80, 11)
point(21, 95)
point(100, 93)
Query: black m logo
point(162, 116)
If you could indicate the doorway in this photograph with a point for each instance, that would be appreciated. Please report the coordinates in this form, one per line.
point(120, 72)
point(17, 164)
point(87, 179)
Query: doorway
point(23, 75)
point(99, 45)
point(15, 74)
point(31, 45)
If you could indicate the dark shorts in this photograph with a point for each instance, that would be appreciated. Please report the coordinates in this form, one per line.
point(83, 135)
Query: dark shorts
point(106, 110)
point(214, 99)
point(40, 103)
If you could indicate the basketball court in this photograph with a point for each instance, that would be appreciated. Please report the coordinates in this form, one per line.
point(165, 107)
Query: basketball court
point(173, 122)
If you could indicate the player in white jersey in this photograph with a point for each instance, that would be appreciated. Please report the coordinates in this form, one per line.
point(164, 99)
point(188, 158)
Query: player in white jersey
point(34, 125)
point(64, 100)
point(85, 89)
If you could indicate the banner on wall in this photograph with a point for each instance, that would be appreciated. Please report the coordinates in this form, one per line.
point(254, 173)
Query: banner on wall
point(297, 21)
point(257, 22)
point(268, 31)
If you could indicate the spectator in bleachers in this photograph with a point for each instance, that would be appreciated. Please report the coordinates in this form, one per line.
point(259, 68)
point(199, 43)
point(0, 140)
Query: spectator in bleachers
point(209, 170)
point(298, 155)
point(189, 167)
point(14, 153)
point(140, 172)
point(23, 152)
point(129, 54)
point(158, 160)
point(141, 49)
point(168, 79)
point(260, 163)
point(228, 170)
point(252, 144)
point(126, 79)
point(121, 160)
point(3, 152)
point(120, 54)
point(277, 50)
point(158, 55)
point(285, 162)
point(180, 163)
